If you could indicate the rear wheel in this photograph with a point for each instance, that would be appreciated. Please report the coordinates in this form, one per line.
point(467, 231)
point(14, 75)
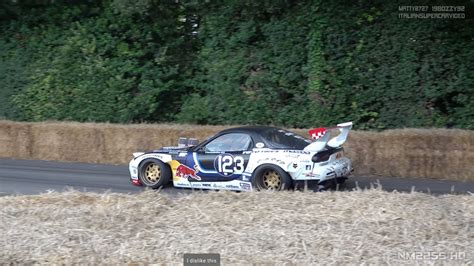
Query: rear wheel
point(341, 183)
point(332, 184)
point(271, 177)
point(154, 173)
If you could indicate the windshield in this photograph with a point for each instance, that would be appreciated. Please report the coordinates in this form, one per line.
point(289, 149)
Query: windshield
point(283, 139)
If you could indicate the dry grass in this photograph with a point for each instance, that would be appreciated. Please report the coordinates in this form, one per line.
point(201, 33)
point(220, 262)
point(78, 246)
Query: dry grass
point(426, 153)
point(370, 226)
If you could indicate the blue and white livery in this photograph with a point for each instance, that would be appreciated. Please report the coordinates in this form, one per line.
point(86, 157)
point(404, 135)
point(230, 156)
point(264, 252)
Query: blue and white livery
point(247, 158)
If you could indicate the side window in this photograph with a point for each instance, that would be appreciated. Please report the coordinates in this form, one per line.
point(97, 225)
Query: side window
point(229, 142)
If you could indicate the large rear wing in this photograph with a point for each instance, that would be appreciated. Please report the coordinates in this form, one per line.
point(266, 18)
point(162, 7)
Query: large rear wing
point(322, 137)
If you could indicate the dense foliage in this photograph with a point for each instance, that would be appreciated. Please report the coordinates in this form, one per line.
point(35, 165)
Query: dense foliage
point(290, 63)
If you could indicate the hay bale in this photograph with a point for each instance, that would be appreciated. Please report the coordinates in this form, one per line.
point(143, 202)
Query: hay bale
point(424, 153)
point(15, 140)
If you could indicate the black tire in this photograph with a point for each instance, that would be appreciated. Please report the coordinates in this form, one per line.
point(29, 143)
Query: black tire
point(332, 184)
point(341, 180)
point(149, 176)
point(264, 178)
point(341, 183)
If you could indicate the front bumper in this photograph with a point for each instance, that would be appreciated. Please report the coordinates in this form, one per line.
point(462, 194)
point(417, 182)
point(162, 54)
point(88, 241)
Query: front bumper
point(136, 182)
point(133, 169)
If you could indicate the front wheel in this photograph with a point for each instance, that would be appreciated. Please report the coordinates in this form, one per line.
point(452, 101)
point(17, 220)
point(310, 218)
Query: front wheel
point(154, 173)
point(271, 177)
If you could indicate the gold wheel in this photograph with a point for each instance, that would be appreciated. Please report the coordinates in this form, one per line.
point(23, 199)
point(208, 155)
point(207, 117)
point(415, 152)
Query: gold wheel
point(271, 179)
point(152, 173)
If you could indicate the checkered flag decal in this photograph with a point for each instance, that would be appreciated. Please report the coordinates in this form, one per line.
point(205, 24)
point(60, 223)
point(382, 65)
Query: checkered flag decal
point(317, 133)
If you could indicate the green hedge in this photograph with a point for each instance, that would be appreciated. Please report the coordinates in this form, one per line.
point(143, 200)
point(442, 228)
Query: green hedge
point(289, 63)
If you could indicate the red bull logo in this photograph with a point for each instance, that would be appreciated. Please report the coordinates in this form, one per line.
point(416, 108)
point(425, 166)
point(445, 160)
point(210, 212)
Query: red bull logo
point(184, 172)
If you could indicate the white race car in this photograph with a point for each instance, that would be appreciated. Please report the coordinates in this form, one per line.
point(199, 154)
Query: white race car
point(246, 158)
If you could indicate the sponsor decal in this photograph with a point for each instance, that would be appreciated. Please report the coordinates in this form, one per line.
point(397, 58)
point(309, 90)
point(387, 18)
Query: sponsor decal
point(281, 151)
point(272, 160)
point(308, 167)
point(206, 185)
point(146, 156)
point(259, 145)
point(245, 186)
point(265, 151)
point(185, 172)
point(182, 154)
point(295, 165)
point(215, 185)
point(317, 133)
point(296, 151)
point(232, 186)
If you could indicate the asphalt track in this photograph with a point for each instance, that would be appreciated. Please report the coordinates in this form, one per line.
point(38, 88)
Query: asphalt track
point(27, 177)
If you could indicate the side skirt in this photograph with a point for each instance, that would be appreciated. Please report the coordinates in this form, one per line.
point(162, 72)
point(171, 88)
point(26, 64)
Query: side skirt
point(233, 185)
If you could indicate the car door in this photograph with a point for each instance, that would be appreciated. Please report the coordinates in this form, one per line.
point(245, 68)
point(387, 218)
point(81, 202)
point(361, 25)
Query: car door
point(223, 158)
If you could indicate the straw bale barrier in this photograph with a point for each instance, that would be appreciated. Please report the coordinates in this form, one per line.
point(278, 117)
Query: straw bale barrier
point(425, 153)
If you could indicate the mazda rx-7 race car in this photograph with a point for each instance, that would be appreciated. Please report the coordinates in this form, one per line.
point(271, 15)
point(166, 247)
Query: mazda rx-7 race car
point(246, 158)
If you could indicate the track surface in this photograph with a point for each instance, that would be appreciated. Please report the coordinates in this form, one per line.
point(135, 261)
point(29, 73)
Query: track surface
point(33, 177)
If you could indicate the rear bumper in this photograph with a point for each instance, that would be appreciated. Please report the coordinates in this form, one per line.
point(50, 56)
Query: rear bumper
point(338, 169)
